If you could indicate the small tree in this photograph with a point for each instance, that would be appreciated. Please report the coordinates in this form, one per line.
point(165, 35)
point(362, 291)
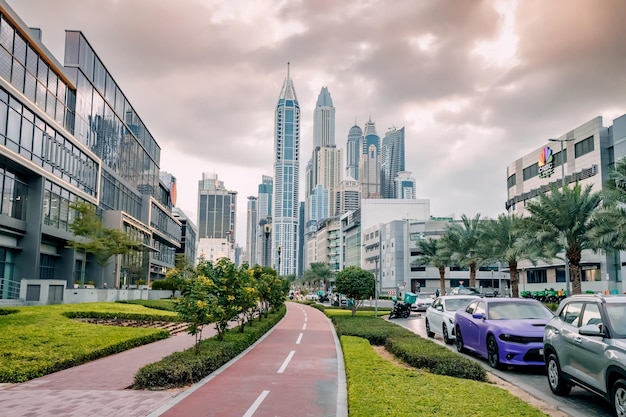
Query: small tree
point(92, 237)
point(432, 254)
point(195, 306)
point(357, 284)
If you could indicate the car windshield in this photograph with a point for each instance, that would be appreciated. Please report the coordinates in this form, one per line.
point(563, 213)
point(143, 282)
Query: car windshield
point(511, 310)
point(454, 304)
point(617, 318)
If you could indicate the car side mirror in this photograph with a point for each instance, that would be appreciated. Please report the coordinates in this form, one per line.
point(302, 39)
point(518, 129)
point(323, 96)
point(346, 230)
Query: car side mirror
point(479, 316)
point(592, 330)
point(440, 307)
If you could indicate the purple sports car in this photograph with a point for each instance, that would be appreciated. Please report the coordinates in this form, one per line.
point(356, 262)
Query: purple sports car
point(506, 331)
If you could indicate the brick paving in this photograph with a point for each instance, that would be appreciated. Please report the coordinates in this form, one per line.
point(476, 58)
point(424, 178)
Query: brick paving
point(96, 388)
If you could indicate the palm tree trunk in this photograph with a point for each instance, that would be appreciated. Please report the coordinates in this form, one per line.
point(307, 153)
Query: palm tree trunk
point(472, 278)
point(574, 271)
point(514, 279)
point(442, 279)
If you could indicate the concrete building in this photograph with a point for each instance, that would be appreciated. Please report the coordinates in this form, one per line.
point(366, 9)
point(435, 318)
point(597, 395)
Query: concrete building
point(189, 237)
point(369, 164)
point(217, 208)
point(354, 149)
point(585, 155)
point(347, 196)
point(392, 161)
point(251, 231)
point(404, 185)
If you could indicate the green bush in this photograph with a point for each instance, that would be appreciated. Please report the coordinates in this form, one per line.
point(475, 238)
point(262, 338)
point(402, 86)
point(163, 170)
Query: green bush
point(167, 305)
point(187, 367)
point(7, 311)
point(424, 354)
point(407, 346)
point(119, 315)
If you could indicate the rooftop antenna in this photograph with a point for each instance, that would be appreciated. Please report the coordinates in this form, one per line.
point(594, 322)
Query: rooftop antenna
point(287, 69)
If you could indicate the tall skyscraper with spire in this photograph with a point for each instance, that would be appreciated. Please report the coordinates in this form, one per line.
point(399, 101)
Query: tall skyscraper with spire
point(286, 180)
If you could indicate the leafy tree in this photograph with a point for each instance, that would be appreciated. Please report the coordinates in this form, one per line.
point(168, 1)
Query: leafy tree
point(505, 240)
point(265, 277)
point(223, 286)
point(461, 242)
point(355, 283)
point(92, 237)
point(433, 254)
point(195, 306)
point(318, 272)
point(174, 281)
point(563, 219)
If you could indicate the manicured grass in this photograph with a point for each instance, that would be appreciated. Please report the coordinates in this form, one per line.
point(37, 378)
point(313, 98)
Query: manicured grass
point(36, 341)
point(377, 387)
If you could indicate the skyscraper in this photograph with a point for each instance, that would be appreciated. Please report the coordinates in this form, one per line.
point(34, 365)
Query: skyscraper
point(354, 150)
point(405, 186)
point(324, 121)
point(251, 230)
point(286, 180)
point(369, 166)
point(392, 161)
point(264, 220)
point(217, 207)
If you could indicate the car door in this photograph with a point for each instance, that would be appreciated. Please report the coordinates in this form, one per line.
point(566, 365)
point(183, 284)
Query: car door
point(462, 319)
point(587, 359)
point(435, 316)
point(471, 336)
point(565, 333)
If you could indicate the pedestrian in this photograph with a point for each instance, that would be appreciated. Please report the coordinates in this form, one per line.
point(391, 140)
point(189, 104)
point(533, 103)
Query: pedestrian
point(437, 292)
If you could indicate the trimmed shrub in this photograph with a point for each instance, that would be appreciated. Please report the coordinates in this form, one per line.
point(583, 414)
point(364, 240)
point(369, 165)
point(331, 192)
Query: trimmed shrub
point(119, 315)
point(424, 354)
point(407, 346)
point(187, 367)
point(167, 305)
point(7, 311)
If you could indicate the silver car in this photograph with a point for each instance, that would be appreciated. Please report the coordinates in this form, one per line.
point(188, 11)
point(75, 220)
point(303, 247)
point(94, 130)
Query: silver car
point(585, 345)
point(440, 315)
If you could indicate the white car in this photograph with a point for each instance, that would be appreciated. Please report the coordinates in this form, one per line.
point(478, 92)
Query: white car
point(440, 315)
point(424, 300)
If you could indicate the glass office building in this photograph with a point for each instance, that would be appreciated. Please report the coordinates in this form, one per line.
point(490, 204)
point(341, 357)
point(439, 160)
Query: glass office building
point(68, 134)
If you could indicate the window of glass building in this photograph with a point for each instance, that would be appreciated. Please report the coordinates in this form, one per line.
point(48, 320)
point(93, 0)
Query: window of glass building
point(583, 147)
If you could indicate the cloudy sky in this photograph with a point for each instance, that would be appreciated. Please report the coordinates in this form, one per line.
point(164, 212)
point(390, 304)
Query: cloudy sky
point(477, 84)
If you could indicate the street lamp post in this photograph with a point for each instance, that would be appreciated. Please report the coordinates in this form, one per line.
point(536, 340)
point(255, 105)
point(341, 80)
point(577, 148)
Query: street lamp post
point(567, 279)
point(280, 249)
point(376, 290)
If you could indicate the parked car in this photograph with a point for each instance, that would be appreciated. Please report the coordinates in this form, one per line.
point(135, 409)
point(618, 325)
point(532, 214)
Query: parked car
point(505, 331)
point(311, 296)
point(440, 315)
point(585, 345)
point(423, 301)
point(464, 291)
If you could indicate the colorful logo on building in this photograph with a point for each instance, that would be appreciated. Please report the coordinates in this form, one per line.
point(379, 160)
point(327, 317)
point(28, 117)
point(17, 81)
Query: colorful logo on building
point(546, 164)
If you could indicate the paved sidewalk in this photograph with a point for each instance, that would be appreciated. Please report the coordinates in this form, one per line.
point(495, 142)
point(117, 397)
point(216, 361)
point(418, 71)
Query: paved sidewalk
point(98, 388)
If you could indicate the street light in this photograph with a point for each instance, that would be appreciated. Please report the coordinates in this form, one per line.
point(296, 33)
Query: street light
point(567, 283)
point(376, 290)
point(280, 249)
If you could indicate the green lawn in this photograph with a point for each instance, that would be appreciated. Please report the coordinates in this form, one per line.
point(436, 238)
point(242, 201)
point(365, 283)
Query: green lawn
point(377, 387)
point(39, 340)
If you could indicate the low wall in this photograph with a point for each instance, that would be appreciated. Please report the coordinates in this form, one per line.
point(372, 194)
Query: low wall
point(92, 295)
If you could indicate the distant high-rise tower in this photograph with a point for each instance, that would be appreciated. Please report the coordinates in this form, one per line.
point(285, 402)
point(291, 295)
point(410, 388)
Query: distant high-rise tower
point(392, 161)
point(324, 121)
point(264, 221)
point(369, 166)
point(286, 180)
point(251, 231)
point(405, 186)
point(217, 208)
point(354, 151)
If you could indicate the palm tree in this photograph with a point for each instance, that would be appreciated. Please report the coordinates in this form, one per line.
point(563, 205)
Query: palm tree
point(318, 272)
point(503, 240)
point(562, 219)
point(609, 231)
point(461, 241)
point(431, 254)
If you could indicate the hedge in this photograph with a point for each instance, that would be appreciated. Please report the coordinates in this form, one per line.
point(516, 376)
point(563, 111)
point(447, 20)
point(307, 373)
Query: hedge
point(119, 315)
point(167, 305)
point(408, 347)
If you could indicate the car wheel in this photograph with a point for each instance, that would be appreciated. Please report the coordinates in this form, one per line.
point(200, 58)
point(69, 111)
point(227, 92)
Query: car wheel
point(619, 398)
point(446, 336)
point(493, 356)
point(429, 333)
point(459, 340)
point(555, 378)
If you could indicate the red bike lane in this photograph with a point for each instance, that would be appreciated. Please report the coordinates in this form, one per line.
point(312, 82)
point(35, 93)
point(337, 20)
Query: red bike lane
point(297, 369)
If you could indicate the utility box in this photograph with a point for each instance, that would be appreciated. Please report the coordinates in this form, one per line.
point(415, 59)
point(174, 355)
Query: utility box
point(410, 297)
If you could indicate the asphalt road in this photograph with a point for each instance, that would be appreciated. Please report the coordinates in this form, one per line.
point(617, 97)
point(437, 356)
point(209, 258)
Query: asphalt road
point(580, 403)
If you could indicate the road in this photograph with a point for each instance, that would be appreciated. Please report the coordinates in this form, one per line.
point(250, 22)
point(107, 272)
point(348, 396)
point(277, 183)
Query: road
point(580, 403)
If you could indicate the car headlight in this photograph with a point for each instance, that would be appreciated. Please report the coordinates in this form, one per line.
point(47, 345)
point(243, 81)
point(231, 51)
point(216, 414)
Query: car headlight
point(511, 338)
